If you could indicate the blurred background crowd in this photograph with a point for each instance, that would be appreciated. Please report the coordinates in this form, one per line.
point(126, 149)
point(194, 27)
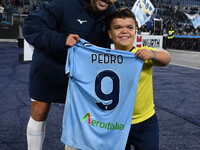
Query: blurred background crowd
point(171, 13)
point(167, 14)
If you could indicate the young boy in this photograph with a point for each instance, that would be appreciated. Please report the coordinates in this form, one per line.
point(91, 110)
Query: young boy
point(144, 133)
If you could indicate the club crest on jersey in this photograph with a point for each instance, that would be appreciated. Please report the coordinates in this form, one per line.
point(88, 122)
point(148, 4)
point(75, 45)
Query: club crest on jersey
point(101, 124)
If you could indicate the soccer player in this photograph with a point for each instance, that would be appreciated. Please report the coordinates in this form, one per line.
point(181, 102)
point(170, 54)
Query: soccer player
point(51, 29)
point(144, 132)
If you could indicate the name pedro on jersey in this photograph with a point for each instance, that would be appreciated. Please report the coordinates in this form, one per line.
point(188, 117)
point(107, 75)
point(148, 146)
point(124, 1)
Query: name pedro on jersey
point(105, 58)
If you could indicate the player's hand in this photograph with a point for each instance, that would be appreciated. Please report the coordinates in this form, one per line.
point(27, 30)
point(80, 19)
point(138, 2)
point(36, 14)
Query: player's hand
point(145, 54)
point(72, 39)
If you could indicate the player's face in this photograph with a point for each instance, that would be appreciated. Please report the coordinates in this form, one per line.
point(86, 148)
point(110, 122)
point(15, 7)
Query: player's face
point(101, 5)
point(122, 32)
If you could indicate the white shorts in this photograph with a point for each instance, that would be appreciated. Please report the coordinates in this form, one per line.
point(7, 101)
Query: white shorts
point(67, 147)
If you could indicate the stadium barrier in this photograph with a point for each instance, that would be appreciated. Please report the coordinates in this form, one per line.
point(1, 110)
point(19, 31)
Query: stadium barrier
point(9, 32)
point(185, 42)
point(155, 41)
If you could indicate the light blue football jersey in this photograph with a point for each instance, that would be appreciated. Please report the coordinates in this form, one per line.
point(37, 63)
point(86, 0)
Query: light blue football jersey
point(100, 98)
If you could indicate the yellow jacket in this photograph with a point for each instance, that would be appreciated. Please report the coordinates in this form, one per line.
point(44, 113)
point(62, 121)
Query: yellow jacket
point(144, 102)
point(171, 34)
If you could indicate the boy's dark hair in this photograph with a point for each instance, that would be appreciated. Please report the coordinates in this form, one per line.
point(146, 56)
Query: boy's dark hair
point(124, 12)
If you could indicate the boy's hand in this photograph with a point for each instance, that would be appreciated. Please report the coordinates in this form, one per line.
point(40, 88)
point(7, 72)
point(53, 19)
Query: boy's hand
point(145, 54)
point(72, 39)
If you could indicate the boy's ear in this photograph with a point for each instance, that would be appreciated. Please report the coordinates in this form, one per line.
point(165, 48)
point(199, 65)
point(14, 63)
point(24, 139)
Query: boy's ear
point(110, 35)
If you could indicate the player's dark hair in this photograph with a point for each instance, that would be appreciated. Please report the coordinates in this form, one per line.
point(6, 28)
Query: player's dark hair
point(124, 12)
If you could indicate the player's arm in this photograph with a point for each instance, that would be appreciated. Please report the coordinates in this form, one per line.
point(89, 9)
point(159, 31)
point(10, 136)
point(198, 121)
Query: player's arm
point(162, 57)
point(40, 28)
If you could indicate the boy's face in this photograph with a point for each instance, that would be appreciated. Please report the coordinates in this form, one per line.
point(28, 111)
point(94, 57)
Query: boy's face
point(122, 32)
point(101, 5)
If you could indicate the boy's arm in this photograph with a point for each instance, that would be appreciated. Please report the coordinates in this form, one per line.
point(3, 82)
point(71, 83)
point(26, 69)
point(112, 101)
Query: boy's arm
point(162, 57)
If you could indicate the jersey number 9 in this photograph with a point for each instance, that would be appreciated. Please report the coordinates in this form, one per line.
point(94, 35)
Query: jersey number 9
point(113, 95)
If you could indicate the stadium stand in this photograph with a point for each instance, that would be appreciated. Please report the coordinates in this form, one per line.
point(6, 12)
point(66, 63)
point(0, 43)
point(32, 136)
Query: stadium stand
point(170, 12)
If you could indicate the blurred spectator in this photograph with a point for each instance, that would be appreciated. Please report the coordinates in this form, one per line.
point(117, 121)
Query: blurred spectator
point(33, 5)
point(12, 2)
point(8, 9)
point(1, 12)
point(16, 3)
point(25, 11)
point(170, 37)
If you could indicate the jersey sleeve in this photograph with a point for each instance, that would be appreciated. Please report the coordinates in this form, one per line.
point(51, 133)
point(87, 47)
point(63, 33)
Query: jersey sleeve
point(69, 67)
